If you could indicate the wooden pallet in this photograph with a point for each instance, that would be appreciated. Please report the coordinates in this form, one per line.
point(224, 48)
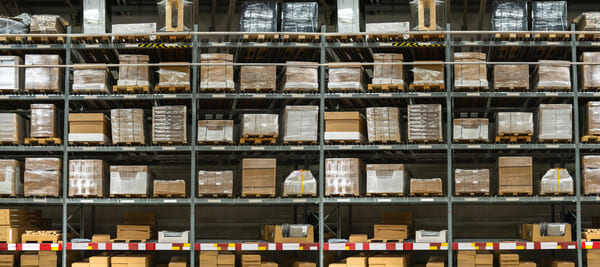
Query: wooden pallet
point(342, 142)
point(590, 139)
point(128, 240)
point(515, 138)
point(300, 90)
point(385, 240)
point(43, 141)
point(259, 140)
point(342, 195)
point(471, 88)
point(385, 142)
point(130, 143)
point(394, 37)
point(434, 141)
point(551, 36)
point(590, 88)
point(88, 143)
point(553, 88)
point(511, 89)
point(269, 37)
point(590, 234)
point(588, 36)
point(385, 194)
point(41, 237)
point(170, 195)
point(386, 87)
point(87, 196)
point(300, 37)
point(169, 143)
point(512, 36)
point(555, 141)
point(172, 89)
point(515, 193)
point(257, 90)
point(136, 38)
point(300, 142)
point(8, 91)
point(217, 90)
point(215, 143)
point(472, 194)
point(41, 91)
point(299, 195)
point(471, 141)
point(344, 90)
point(9, 143)
point(129, 195)
point(174, 38)
point(91, 39)
point(131, 89)
point(45, 39)
point(215, 195)
point(9, 195)
point(556, 194)
point(255, 195)
point(90, 92)
point(12, 39)
point(426, 36)
point(426, 87)
point(426, 194)
point(345, 38)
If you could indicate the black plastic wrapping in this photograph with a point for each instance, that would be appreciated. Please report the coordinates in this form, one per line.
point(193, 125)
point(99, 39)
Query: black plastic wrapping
point(509, 15)
point(15, 25)
point(549, 16)
point(258, 16)
point(299, 16)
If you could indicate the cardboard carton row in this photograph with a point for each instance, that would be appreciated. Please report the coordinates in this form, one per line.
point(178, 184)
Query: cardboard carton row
point(122, 260)
point(374, 261)
point(346, 77)
point(591, 174)
point(469, 76)
point(14, 222)
point(38, 259)
point(471, 130)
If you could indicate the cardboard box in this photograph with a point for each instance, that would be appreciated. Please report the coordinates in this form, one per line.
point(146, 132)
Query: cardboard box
point(99, 261)
point(7, 260)
point(510, 123)
point(348, 125)
point(100, 238)
point(133, 232)
point(208, 258)
point(553, 74)
point(174, 75)
point(255, 78)
point(268, 264)
point(248, 260)
point(472, 181)
point(593, 257)
point(12, 128)
point(215, 131)
point(47, 258)
point(169, 187)
point(484, 259)
point(259, 176)
point(47, 24)
point(425, 122)
point(430, 73)
point(471, 130)
point(383, 124)
point(592, 125)
point(436, 261)
point(426, 186)
point(44, 123)
point(130, 180)
point(12, 76)
point(90, 79)
point(424, 236)
point(10, 235)
point(343, 176)
point(169, 124)
point(356, 261)
point(390, 232)
point(465, 259)
point(42, 177)
point(555, 122)
point(470, 75)
point(266, 125)
point(301, 123)
point(528, 264)
point(89, 127)
point(11, 177)
point(178, 261)
point(304, 264)
point(388, 73)
point(564, 264)
point(512, 77)
point(274, 233)
point(88, 177)
point(590, 74)
point(216, 77)
point(80, 264)
point(301, 76)
point(358, 238)
point(215, 182)
point(226, 259)
point(344, 77)
point(531, 232)
point(29, 259)
point(515, 175)
point(43, 79)
point(127, 126)
point(387, 178)
point(134, 75)
point(173, 237)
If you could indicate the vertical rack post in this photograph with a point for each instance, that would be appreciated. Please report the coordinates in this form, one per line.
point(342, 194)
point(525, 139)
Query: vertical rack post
point(193, 142)
point(322, 144)
point(449, 178)
point(65, 157)
point(577, 152)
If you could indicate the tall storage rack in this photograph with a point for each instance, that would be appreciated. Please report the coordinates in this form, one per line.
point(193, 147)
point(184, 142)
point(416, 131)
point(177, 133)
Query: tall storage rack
point(326, 51)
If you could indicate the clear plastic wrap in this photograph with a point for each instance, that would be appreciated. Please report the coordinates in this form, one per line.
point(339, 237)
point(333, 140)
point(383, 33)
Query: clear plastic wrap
point(388, 73)
point(346, 77)
point(15, 25)
point(89, 127)
point(47, 24)
point(94, 16)
point(90, 80)
point(388, 27)
point(428, 74)
point(127, 126)
point(549, 16)
point(169, 187)
point(592, 126)
point(43, 121)
point(425, 122)
point(514, 123)
point(428, 15)
point(301, 75)
point(258, 16)
point(348, 16)
point(515, 175)
point(591, 175)
point(387, 179)
point(553, 74)
point(511, 77)
point(11, 77)
point(556, 180)
point(590, 74)
point(588, 21)
point(215, 182)
point(556, 121)
point(42, 177)
point(424, 236)
point(173, 75)
point(343, 176)
point(130, 180)
point(259, 176)
point(132, 29)
point(11, 177)
point(509, 15)
point(260, 124)
point(134, 75)
point(43, 78)
point(87, 178)
point(344, 125)
point(179, 18)
point(169, 124)
point(301, 123)
point(383, 124)
point(470, 75)
point(258, 77)
point(12, 128)
point(426, 186)
point(215, 131)
point(471, 129)
point(216, 76)
point(300, 182)
point(299, 16)
point(472, 181)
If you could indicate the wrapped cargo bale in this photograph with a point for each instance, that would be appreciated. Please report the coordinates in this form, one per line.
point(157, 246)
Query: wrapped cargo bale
point(386, 28)
point(169, 124)
point(592, 125)
point(431, 186)
point(429, 76)
point(470, 76)
point(216, 77)
point(90, 79)
point(301, 76)
point(215, 183)
point(43, 79)
point(175, 15)
point(301, 124)
point(590, 74)
point(11, 77)
point(12, 128)
point(94, 16)
point(215, 131)
point(127, 126)
point(383, 124)
point(509, 15)
point(169, 188)
point(515, 175)
point(343, 176)
point(299, 16)
point(87, 178)
point(300, 183)
point(591, 174)
point(47, 24)
point(556, 181)
point(11, 177)
point(258, 78)
point(15, 25)
point(475, 181)
point(553, 74)
point(174, 75)
point(588, 21)
point(258, 16)
point(387, 179)
point(425, 123)
point(389, 74)
point(427, 15)
point(349, 19)
point(260, 124)
point(555, 122)
point(549, 16)
point(344, 126)
point(44, 122)
point(259, 177)
point(42, 177)
point(471, 130)
point(346, 77)
point(511, 77)
point(130, 180)
point(133, 29)
point(134, 75)
point(89, 128)
point(511, 123)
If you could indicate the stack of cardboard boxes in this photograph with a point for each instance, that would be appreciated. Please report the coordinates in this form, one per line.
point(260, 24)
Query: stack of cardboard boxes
point(215, 131)
point(472, 181)
point(508, 260)
point(138, 75)
point(343, 176)
point(41, 258)
point(471, 130)
point(12, 76)
point(429, 73)
point(42, 177)
point(130, 260)
point(90, 79)
point(12, 171)
point(470, 76)
point(89, 128)
point(592, 125)
point(216, 77)
point(590, 74)
point(344, 126)
point(387, 179)
point(266, 125)
point(346, 77)
point(591, 175)
point(12, 128)
point(169, 124)
point(87, 177)
point(383, 124)
point(425, 123)
point(258, 78)
point(215, 183)
point(389, 74)
point(301, 76)
point(174, 188)
point(514, 123)
point(13, 222)
point(301, 124)
point(101, 260)
point(474, 259)
point(7, 260)
point(389, 261)
point(259, 176)
point(127, 126)
point(553, 74)
point(555, 122)
point(431, 186)
point(43, 79)
point(174, 75)
point(511, 77)
point(593, 257)
point(515, 175)
point(44, 121)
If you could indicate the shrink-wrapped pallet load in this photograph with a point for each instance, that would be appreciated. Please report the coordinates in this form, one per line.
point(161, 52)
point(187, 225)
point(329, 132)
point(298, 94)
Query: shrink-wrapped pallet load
point(386, 73)
point(470, 76)
point(90, 79)
point(553, 74)
point(591, 174)
point(590, 74)
point(549, 16)
point(385, 179)
point(473, 181)
point(137, 75)
point(343, 176)
point(300, 183)
point(471, 130)
point(12, 78)
point(11, 177)
point(511, 77)
point(555, 122)
point(258, 16)
point(556, 181)
point(431, 186)
point(130, 180)
point(258, 78)
point(383, 124)
point(47, 24)
point(348, 77)
point(127, 126)
point(87, 177)
point(44, 121)
point(512, 123)
point(301, 124)
point(215, 183)
point(299, 16)
point(169, 124)
point(42, 177)
point(12, 128)
point(170, 76)
point(425, 123)
point(215, 131)
point(301, 76)
point(43, 79)
point(588, 21)
point(428, 75)
point(260, 125)
point(169, 188)
point(509, 15)
point(217, 77)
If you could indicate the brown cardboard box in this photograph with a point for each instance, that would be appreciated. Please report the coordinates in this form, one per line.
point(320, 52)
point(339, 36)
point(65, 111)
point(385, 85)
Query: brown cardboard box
point(592, 125)
point(304, 264)
point(301, 76)
point(425, 122)
point(47, 24)
point(344, 176)
point(472, 181)
point(515, 175)
point(390, 232)
point(337, 265)
point(484, 260)
point(210, 131)
point(383, 124)
point(430, 73)
point(429, 186)
point(29, 259)
point(10, 235)
point(590, 74)
point(84, 123)
point(42, 176)
point(531, 232)
point(388, 73)
point(169, 188)
point(356, 262)
point(226, 259)
point(248, 260)
point(174, 75)
point(564, 264)
point(259, 176)
point(88, 79)
point(133, 232)
point(127, 126)
point(11, 177)
point(215, 182)
point(7, 260)
point(593, 257)
point(274, 233)
point(48, 258)
point(465, 259)
point(208, 258)
point(436, 261)
point(88, 177)
point(511, 77)
point(44, 122)
point(470, 75)
point(43, 79)
point(99, 261)
point(528, 264)
point(216, 77)
point(348, 125)
point(358, 238)
point(266, 125)
point(169, 124)
point(268, 264)
point(178, 261)
point(553, 74)
point(100, 238)
point(258, 77)
point(134, 75)
point(12, 128)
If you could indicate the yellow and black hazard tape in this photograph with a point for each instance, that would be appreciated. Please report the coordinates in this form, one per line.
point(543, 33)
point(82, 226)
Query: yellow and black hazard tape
point(159, 45)
point(417, 44)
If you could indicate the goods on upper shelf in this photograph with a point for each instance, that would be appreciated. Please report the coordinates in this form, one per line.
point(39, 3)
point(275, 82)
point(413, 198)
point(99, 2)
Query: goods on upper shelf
point(299, 16)
point(590, 74)
point(343, 176)
point(11, 77)
point(15, 25)
point(175, 15)
point(216, 78)
point(259, 177)
point(43, 79)
point(346, 78)
point(588, 21)
point(514, 123)
point(301, 124)
point(472, 182)
point(47, 24)
point(173, 79)
point(169, 188)
point(301, 76)
point(300, 183)
point(133, 76)
point(258, 128)
point(425, 123)
point(89, 128)
point(12, 171)
point(134, 29)
point(425, 236)
point(88, 178)
point(515, 175)
point(173, 237)
point(215, 183)
point(383, 124)
point(40, 258)
point(591, 174)
point(42, 177)
point(215, 131)
point(511, 77)
point(169, 124)
point(130, 180)
point(90, 79)
point(478, 258)
point(127, 126)
point(428, 75)
point(387, 74)
point(509, 15)
point(386, 27)
point(470, 76)
point(387, 179)
point(95, 16)
point(555, 122)
point(549, 16)
point(471, 130)
point(344, 126)
point(553, 75)
point(258, 16)
point(349, 18)
point(426, 187)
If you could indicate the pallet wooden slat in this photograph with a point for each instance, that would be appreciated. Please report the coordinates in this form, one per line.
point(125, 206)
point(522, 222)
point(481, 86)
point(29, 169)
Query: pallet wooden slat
point(43, 141)
point(131, 89)
point(172, 89)
point(386, 87)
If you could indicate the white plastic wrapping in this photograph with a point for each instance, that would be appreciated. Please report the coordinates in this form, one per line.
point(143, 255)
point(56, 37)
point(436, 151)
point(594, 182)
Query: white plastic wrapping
point(346, 77)
point(215, 182)
point(556, 121)
point(428, 74)
point(425, 122)
point(215, 131)
point(388, 73)
point(132, 29)
point(301, 123)
point(556, 180)
point(260, 124)
point(11, 177)
point(514, 123)
point(300, 182)
point(471, 129)
point(301, 75)
point(383, 124)
point(470, 75)
point(43, 121)
point(90, 80)
point(387, 178)
point(173, 75)
point(348, 12)
point(43, 78)
point(173, 237)
point(94, 16)
point(11, 77)
point(553, 74)
point(591, 174)
point(471, 181)
point(343, 176)
point(130, 180)
point(138, 75)
point(87, 178)
point(216, 76)
point(169, 124)
point(388, 27)
point(424, 236)
point(42, 177)
point(12, 128)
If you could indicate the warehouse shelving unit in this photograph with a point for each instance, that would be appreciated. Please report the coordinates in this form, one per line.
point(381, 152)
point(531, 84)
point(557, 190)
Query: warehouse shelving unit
point(326, 50)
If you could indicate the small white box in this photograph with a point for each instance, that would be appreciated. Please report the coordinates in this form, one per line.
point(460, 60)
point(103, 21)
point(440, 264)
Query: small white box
point(424, 236)
point(173, 237)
